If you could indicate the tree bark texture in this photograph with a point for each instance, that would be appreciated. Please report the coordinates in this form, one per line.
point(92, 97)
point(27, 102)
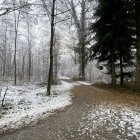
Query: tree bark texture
point(50, 75)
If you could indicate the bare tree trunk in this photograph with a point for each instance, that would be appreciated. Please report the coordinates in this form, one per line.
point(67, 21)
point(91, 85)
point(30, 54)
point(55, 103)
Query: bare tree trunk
point(38, 69)
point(83, 62)
point(121, 72)
point(75, 58)
point(83, 18)
point(50, 75)
point(81, 31)
point(23, 63)
point(2, 104)
point(56, 67)
point(137, 83)
point(15, 51)
point(44, 68)
point(4, 51)
point(29, 53)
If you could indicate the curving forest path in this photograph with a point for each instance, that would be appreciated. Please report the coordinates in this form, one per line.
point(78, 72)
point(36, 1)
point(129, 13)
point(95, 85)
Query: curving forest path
point(94, 115)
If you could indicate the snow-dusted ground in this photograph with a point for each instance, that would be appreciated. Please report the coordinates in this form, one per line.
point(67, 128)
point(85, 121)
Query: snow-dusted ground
point(84, 83)
point(101, 120)
point(27, 104)
point(63, 77)
point(111, 121)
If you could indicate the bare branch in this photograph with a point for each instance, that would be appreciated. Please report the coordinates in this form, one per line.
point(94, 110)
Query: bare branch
point(46, 8)
point(12, 9)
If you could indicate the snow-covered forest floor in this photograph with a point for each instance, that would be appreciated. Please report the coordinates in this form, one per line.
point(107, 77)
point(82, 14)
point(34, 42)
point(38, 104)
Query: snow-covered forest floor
point(111, 121)
point(27, 104)
point(109, 115)
point(94, 115)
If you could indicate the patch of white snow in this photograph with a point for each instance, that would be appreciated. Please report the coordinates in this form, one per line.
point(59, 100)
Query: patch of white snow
point(27, 104)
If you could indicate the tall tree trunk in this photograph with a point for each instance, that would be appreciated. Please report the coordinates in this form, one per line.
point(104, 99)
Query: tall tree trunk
point(137, 84)
point(121, 72)
point(29, 53)
point(50, 75)
point(15, 63)
point(83, 32)
point(113, 74)
point(44, 69)
point(15, 50)
point(23, 64)
point(83, 62)
point(38, 69)
point(4, 53)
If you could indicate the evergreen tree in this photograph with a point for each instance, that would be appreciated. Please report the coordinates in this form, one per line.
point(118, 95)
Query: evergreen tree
point(114, 35)
point(124, 37)
point(137, 4)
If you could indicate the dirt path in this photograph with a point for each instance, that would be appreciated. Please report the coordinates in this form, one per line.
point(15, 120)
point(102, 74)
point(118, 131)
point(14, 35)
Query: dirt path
point(88, 118)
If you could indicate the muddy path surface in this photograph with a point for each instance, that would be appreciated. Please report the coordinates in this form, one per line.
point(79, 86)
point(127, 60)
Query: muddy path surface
point(87, 118)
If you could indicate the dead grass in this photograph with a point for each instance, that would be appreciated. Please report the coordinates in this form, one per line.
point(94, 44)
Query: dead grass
point(127, 88)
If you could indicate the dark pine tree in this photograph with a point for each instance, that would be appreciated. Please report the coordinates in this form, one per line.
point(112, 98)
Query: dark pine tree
point(114, 32)
point(124, 37)
point(137, 9)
